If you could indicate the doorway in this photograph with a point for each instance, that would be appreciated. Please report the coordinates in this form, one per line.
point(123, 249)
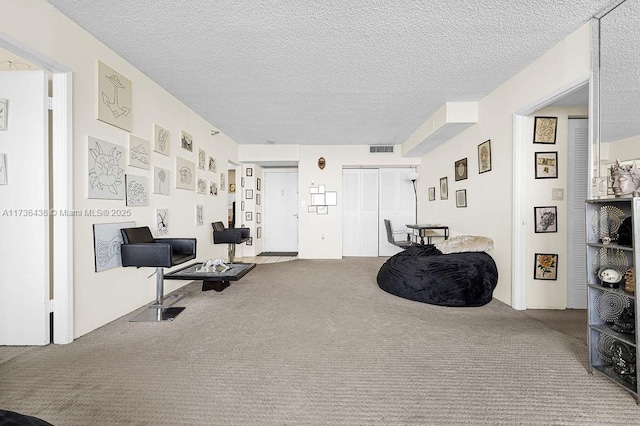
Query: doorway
point(51, 164)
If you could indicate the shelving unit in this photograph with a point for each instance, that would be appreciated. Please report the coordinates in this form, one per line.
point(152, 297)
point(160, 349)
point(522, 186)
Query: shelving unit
point(612, 353)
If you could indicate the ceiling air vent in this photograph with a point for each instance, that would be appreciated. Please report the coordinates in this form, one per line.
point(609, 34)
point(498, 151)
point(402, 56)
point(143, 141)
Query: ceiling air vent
point(377, 149)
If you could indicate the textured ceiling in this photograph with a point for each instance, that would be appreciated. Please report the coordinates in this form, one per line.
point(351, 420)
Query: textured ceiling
point(327, 72)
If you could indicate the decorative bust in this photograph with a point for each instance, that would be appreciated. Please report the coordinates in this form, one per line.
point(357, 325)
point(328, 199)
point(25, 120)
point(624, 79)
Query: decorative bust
point(626, 180)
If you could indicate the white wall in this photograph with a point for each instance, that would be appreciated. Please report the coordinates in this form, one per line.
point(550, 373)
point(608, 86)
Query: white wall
point(102, 297)
point(490, 195)
point(548, 293)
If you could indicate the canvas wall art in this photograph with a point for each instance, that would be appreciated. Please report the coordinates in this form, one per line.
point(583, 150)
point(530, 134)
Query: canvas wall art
point(202, 186)
point(162, 222)
point(185, 174)
point(106, 244)
point(199, 215)
point(105, 170)
point(139, 152)
point(186, 141)
point(137, 190)
point(161, 180)
point(4, 114)
point(160, 140)
point(3, 170)
point(202, 158)
point(114, 98)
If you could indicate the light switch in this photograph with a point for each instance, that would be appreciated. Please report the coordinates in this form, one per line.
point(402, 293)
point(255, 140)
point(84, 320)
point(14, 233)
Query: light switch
point(557, 194)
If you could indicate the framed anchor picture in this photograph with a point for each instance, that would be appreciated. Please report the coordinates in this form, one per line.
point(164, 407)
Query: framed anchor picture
point(114, 98)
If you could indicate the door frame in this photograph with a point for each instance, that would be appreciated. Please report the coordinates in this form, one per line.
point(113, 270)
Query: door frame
point(520, 185)
point(61, 130)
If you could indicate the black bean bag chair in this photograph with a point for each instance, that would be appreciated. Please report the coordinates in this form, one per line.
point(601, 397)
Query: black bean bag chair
point(424, 274)
point(11, 418)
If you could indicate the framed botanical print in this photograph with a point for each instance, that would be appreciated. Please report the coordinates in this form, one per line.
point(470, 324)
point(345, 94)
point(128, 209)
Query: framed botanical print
point(546, 165)
point(444, 188)
point(484, 156)
point(460, 169)
point(432, 193)
point(545, 266)
point(545, 129)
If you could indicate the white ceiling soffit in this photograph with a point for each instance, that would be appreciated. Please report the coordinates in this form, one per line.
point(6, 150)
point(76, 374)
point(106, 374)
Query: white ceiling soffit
point(447, 122)
point(336, 72)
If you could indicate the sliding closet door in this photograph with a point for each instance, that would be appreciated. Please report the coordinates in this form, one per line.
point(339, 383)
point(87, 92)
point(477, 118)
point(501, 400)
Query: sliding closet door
point(360, 212)
point(397, 203)
point(578, 191)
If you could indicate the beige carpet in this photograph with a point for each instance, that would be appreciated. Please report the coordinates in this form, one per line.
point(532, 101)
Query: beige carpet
point(313, 342)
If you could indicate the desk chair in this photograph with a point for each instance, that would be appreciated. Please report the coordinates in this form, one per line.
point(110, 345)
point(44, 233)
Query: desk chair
point(140, 249)
point(391, 236)
point(231, 236)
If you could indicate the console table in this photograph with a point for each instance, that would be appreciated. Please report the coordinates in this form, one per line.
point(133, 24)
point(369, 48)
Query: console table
point(211, 280)
point(428, 231)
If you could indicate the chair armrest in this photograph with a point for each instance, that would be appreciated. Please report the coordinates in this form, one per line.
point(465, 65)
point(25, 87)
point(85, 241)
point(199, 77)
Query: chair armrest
point(245, 233)
point(146, 254)
point(180, 245)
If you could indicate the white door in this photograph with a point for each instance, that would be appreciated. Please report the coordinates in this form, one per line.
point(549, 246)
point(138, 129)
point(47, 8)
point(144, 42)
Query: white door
point(280, 211)
point(24, 204)
point(577, 192)
point(360, 212)
point(397, 203)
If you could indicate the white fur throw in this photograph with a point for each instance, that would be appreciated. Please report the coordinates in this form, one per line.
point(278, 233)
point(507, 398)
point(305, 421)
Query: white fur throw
point(462, 243)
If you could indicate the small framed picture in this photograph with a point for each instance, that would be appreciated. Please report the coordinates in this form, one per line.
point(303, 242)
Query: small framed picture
point(248, 216)
point(249, 171)
point(258, 199)
point(241, 206)
point(546, 165)
point(259, 232)
point(461, 198)
point(250, 241)
point(545, 266)
point(312, 209)
point(484, 156)
point(258, 184)
point(461, 169)
point(248, 194)
point(545, 129)
point(242, 181)
point(232, 187)
point(4, 114)
point(258, 217)
point(432, 193)
point(546, 219)
point(444, 188)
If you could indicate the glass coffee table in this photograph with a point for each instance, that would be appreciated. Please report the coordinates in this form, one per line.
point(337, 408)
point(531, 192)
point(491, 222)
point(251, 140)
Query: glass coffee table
point(211, 280)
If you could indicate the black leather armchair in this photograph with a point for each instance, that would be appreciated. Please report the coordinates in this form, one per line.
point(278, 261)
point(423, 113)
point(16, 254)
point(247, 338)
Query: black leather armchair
point(231, 236)
point(140, 249)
